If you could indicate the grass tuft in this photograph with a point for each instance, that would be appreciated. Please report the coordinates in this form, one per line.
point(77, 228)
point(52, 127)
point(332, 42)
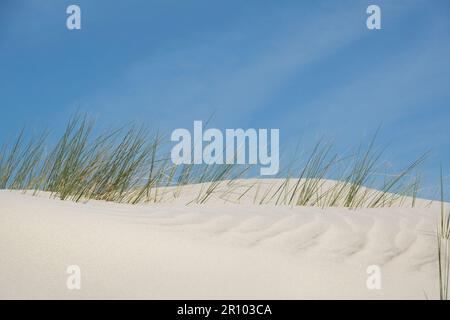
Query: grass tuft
point(443, 240)
point(131, 165)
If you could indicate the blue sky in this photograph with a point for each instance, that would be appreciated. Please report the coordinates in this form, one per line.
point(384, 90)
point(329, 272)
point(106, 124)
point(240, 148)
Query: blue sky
point(309, 68)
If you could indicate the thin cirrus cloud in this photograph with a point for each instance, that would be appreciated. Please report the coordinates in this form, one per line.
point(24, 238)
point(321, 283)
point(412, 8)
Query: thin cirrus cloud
point(232, 73)
point(390, 92)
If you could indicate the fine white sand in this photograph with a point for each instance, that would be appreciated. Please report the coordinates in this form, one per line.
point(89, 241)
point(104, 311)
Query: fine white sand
point(226, 251)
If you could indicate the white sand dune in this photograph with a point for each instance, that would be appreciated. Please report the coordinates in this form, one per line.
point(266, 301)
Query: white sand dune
point(234, 251)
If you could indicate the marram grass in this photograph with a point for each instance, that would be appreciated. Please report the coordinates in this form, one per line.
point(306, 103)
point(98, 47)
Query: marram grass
point(132, 165)
point(443, 241)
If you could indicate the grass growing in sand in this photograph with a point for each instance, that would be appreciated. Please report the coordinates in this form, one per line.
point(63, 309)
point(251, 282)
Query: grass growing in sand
point(132, 165)
point(443, 240)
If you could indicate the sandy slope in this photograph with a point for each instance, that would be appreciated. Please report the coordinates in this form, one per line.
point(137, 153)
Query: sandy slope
point(212, 251)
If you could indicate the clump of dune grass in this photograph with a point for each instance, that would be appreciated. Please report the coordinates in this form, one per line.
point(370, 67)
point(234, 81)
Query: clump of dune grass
point(443, 241)
point(352, 190)
point(132, 165)
point(312, 176)
point(81, 165)
point(19, 162)
point(355, 184)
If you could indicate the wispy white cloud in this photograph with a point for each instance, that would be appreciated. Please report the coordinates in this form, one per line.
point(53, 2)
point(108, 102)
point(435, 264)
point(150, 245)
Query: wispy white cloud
point(235, 71)
point(391, 93)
